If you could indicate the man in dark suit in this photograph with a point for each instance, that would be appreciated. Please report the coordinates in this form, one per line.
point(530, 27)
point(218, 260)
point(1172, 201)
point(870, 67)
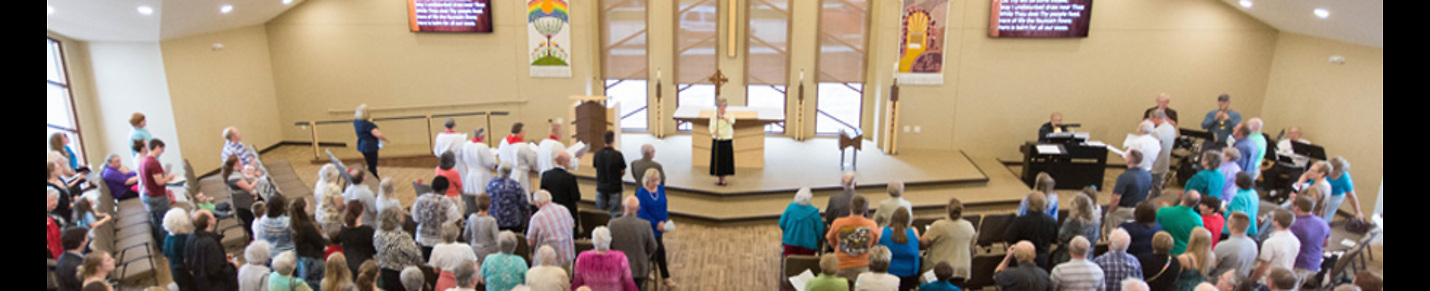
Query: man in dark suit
point(74, 241)
point(563, 187)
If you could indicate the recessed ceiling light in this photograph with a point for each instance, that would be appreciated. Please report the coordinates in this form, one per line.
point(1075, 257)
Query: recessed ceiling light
point(146, 10)
point(1247, 4)
point(226, 9)
point(286, 2)
point(1323, 13)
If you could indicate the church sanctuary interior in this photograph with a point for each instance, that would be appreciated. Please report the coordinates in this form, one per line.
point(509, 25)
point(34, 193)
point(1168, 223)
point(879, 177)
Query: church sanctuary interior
point(657, 145)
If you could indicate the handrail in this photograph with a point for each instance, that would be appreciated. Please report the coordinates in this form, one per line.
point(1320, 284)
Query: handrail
point(421, 107)
point(400, 118)
point(61, 128)
point(312, 126)
point(836, 119)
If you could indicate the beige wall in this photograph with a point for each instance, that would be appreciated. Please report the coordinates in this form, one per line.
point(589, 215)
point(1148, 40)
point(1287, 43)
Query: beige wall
point(213, 89)
point(336, 54)
point(1341, 107)
point(997, 92)
point(128, 78)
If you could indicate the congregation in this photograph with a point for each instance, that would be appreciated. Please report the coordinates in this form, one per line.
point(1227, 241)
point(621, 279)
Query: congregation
point(482, 223)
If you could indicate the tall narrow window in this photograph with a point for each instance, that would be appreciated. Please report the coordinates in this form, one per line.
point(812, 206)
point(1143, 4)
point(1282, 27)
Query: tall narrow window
point(696, 37)
point(624, 34)
point(768, 57)
point(843, 43)
point(59, 103)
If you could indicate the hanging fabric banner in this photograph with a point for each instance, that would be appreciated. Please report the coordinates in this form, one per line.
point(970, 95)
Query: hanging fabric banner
point(921, 42)
point(549, 36)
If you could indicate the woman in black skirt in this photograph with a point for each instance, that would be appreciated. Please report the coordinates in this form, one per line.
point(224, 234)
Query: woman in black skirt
point(722, 133)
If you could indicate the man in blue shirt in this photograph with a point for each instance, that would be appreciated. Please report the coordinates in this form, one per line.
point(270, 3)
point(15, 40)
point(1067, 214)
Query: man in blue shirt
point(1221, 121)
point(1132, 188)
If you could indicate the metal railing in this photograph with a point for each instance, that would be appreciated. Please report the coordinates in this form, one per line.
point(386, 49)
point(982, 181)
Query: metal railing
point(312, 126)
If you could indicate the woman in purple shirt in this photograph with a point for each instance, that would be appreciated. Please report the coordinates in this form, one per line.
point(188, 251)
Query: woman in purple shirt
point(119, 179)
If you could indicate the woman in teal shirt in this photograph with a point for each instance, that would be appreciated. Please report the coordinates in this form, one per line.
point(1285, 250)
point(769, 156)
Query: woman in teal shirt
point(802, 225)
point(1210, 180)
point(1341, 186)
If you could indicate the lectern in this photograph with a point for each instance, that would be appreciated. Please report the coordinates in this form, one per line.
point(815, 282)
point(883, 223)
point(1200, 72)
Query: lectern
point(749, 133)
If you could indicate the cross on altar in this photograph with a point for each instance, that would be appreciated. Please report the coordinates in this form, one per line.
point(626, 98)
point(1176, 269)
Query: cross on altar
point(719, 80)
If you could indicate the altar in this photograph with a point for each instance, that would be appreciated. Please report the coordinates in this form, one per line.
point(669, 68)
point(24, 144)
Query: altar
point(749, 140)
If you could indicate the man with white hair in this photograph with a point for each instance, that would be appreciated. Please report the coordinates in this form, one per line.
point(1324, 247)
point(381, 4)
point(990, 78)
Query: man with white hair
point(1078, 274)
point(1164, 103)
point(1117, 265)
point(562, 185)
point(1145, 142)
point(1284, 148)
point(1166, 134)
point(1026, 275)
point(634, 237)
point(548, 148)
point(552, 226)
point(647, 162)
point(233, 147)
point(886, 209)
point(413, 279)
point(1255, 125)
point(548, 272)
point(251, 277)
point(1135, 285)
point(839, 203)
point(802, 225)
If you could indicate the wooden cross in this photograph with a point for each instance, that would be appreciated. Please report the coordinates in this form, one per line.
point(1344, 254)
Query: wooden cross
point(719, 80)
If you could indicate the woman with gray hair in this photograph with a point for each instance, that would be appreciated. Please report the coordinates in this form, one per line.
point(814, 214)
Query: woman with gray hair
point(1082, 221)
point(368, 137)
point(253, 275)
point(510, 205)
point(386, 198)
point(802, 225)
point(878, 277)
point(548, 274)
point(119, 179)
point(180, 226)
point(330, 199)
point(603, 268)
point(283, 278)
point(395, 249)
point(505, 270)
point(1342, 186)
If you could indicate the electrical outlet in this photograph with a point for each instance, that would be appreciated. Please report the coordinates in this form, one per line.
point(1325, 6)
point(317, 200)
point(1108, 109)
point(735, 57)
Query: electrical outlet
point(908, 129)
point(918, 129)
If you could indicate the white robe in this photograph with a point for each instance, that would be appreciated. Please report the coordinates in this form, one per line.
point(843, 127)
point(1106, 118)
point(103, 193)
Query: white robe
point(506, 152)
point(1150, 148)
point(479, 162)
point(451, 142)
point(526, 163)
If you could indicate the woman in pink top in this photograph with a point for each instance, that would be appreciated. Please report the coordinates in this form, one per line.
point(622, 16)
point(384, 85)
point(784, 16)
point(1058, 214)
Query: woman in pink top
point(603, 268)
point(446, 167)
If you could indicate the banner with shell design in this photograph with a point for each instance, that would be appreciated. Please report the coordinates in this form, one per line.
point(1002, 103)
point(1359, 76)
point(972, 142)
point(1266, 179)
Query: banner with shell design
point(549, 37)
point(921, 42)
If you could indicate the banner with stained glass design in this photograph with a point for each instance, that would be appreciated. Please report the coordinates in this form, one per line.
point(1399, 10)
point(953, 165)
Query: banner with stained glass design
point(921, 42)
point(549, 36)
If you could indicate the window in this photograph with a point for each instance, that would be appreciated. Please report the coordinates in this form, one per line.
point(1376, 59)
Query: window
point(696, 47)
point(843, 39)
point(59, 102)
point(768, 80)
point(624, 35)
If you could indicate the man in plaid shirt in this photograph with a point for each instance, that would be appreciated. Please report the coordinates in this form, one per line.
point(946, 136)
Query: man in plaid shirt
point(1116, 264)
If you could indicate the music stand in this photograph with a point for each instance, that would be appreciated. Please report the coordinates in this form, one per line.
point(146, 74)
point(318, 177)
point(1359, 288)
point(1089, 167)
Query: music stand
point(1315, 152)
